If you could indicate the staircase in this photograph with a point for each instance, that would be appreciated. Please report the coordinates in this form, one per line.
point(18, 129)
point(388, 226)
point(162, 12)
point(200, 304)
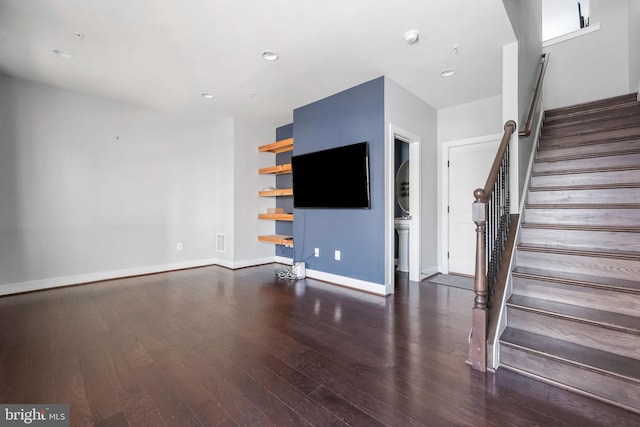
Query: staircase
point(573, 319)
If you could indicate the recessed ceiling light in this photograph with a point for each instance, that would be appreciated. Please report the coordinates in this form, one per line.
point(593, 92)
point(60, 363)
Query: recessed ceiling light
point(207, 95)
point(411, 36)
point(61, 54)
point(448, 73)
point(269, 55)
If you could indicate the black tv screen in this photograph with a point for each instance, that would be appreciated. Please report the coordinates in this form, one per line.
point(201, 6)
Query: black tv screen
point(335, 178)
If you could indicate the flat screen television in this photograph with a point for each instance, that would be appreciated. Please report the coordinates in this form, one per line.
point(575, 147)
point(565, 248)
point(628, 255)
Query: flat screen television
point(337, 178)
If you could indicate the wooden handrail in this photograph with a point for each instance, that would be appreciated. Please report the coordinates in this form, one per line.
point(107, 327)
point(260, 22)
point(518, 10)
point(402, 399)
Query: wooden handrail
point(526, 131)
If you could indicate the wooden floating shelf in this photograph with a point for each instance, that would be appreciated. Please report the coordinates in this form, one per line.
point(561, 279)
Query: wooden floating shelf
point(276, 192)
point(278, 147)
point(278, 239)
point(277, 169)
point(276, 216)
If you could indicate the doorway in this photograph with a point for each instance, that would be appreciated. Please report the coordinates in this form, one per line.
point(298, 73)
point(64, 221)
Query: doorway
point(467, 165)
point(411, 141)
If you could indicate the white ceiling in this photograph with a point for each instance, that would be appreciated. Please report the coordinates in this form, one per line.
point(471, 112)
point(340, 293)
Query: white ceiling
point(163, 54)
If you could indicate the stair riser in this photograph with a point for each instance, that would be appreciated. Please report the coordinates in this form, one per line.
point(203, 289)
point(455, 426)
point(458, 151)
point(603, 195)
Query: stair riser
point(613, 390)
point(588, 150)
point(605, 240)
point(596, 298)
point(587, 163)
point(607, 135)
point(605, 195)
point(601, 104)
point(600, 125)
point(591, 178)
point(580, 264)
point(601, 216)
point(613, 341)
point(622, 111)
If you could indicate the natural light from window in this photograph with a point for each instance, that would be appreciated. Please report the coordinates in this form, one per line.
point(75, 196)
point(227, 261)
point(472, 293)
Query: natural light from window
point(560, 17)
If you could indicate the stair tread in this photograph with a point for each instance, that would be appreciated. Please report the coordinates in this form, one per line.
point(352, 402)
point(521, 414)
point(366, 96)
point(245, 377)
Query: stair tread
point(547, 143)
point(595, 126)
point(579, 156)
point(623, 322)
point(579, 109)
point(630, 131)
point(575, 354)
point(585, 186)
point(591, 116)
point(622, 285)
point(587, 170)
point(589, 106)
point(587, 251)
point(582, 206)
point(580, 227)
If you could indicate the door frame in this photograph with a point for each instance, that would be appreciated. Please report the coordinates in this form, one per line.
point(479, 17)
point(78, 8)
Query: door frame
point(396, 132)
point(443, 216)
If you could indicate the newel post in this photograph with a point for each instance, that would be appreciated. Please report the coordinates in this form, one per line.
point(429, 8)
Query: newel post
point(478, 344)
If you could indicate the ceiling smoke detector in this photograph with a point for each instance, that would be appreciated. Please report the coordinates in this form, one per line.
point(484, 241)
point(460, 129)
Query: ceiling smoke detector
point(411, 36)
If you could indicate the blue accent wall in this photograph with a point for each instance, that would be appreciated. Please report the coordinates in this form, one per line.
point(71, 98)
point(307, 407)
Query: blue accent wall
point(351, 116)
point(284, 181)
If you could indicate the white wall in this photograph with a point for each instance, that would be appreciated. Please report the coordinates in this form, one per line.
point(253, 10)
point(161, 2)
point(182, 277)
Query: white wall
point(224, 188)
point(510, 109)
point(478, 118)
point(404, 110)
point(90, 187)
point(595, 65)
point(526, 18)
point(634, 45)
point(250, 133)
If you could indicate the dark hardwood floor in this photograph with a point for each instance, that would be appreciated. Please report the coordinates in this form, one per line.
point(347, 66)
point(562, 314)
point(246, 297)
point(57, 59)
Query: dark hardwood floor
point(216, 347)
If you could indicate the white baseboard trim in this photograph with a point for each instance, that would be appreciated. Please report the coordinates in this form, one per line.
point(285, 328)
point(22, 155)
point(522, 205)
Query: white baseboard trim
point(349, 282)
point(284, 260)
point(247, 263)
point(56, 282)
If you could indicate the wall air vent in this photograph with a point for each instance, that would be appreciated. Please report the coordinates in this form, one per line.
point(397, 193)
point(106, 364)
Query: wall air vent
point(221, 242)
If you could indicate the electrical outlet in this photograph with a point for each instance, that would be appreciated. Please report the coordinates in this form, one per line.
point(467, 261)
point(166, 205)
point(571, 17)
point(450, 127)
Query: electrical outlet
point(337, 255)
point(179, 246)
point(316, 252)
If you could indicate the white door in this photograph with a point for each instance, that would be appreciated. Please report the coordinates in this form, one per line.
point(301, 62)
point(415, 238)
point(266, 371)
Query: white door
point(469, 166)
